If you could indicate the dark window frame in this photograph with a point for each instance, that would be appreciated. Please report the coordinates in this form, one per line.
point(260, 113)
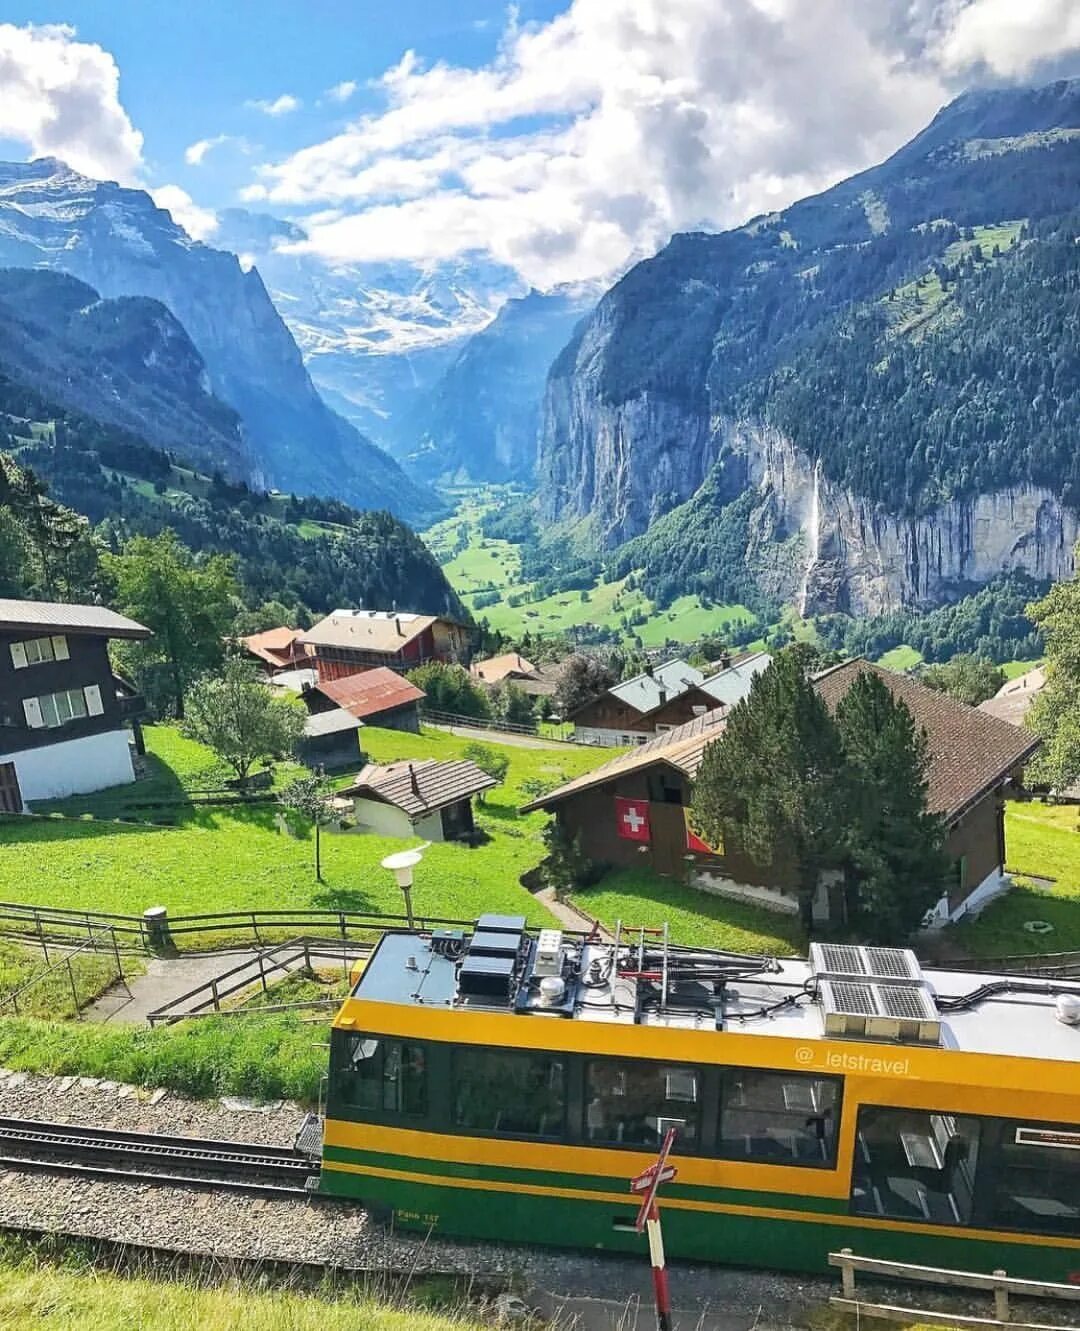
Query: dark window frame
point(700, 1070)
point(450, 1111)
point(829, 1162)
point(994, 1130)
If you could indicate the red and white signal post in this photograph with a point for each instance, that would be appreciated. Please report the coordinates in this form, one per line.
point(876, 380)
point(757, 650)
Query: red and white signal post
point(648, 1218)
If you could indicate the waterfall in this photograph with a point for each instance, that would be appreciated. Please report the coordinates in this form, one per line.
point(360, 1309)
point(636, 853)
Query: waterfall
point(814, 538)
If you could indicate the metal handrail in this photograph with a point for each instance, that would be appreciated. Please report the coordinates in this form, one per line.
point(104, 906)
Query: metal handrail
point(91, 945)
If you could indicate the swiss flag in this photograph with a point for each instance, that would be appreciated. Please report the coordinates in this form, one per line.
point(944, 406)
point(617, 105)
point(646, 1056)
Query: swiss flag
point(632, 819)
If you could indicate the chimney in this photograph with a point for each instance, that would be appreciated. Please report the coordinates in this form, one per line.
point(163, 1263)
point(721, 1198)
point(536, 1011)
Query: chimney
point(413, 781)
point(663, 697)
point(725, 660)
point(397, 625)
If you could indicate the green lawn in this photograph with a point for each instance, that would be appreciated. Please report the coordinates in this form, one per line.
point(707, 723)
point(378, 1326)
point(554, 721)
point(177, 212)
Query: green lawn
point(900, 658)
point(34, 1292)
point(696, 918)
point(1043, 841)
point(216, 859)
point(1013, 669)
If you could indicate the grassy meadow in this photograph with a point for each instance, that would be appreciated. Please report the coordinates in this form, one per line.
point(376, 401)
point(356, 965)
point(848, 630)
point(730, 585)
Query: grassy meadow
point(485, 564)
point(34, 1292)
point(234, 858)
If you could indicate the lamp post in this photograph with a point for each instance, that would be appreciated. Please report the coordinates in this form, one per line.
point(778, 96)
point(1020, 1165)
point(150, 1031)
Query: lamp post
point(401, 864)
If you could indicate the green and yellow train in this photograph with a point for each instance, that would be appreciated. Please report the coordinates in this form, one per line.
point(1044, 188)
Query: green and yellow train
point(502, 1084)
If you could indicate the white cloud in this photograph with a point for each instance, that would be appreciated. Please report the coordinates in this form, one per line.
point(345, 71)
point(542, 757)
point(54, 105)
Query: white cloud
point(197, 222)
point(280, 106)
point(341, 92)
point(195, 153)
point(61, 97)
point(1011, 37)
point(589, 139)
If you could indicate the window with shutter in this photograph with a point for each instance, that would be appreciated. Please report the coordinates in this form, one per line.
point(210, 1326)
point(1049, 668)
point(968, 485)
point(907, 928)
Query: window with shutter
point(32, 711)
point(60, 648)
point(94, 705)
point(18, 656)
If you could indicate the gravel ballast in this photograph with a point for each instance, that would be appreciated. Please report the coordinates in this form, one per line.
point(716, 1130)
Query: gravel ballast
point(334, 1233)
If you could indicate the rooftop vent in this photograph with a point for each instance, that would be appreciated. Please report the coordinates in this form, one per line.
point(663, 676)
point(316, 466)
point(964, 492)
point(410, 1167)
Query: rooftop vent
point(876, 1010)
point(890, 964)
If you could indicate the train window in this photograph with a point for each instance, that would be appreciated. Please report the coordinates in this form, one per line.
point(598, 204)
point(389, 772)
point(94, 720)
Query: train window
point(915, 1164)
point(387, 1076)
point(785, 1118)
point(1037, 1179)
point(511, 1091)
point(634, 1104)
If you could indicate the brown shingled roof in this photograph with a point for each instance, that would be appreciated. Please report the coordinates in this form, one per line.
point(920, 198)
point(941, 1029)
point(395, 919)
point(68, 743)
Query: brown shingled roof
point(970, 752)
point(496, 668)
point(680, 747)
point(371, 692)
point(422, 786)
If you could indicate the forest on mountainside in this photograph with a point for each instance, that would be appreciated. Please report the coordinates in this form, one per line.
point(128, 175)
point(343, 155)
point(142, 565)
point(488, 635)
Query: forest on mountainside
point(973, 395)
point(307, 554)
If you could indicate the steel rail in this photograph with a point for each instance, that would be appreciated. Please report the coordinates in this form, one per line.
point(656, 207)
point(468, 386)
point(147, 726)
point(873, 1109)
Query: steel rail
point(29, 1144)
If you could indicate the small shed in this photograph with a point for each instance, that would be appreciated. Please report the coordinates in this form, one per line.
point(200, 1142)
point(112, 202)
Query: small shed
point(425, 797)
point(378, 697)
point(331, 740)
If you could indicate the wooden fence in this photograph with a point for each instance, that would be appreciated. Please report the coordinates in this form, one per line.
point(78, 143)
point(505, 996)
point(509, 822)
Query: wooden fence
point(999, 1284)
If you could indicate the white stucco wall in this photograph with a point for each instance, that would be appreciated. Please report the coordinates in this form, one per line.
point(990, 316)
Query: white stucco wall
point(769, 897)
point(995, 884)
point(610, 739)
point(386, 820)
point(73, 767)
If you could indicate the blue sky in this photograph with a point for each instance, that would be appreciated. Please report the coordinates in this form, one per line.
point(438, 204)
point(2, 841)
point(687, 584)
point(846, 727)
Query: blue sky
point(188, 69)
point(564, 138)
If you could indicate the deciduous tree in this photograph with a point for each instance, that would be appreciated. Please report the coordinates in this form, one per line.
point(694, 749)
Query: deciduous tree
point(1055, 714)
point(967, 678)
point(189, 604)
point(237, 716)
point(581, 679)
point(309, 796)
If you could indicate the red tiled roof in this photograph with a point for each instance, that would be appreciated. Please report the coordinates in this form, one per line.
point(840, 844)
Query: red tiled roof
point(371, 692)
point(277, 647)
point(971, 752)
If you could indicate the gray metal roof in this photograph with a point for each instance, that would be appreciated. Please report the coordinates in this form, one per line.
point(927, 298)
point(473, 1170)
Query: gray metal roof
point(59, 617)
point(650, 690)
point(733, 684)
point(330, 723)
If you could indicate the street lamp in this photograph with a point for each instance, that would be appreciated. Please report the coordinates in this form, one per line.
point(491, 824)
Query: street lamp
point(401, 864)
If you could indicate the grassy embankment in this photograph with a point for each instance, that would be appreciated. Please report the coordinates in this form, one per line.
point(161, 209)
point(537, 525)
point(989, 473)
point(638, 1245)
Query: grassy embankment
point(34, 1293)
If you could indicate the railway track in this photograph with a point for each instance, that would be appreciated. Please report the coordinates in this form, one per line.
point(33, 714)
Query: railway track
point(147, 1157)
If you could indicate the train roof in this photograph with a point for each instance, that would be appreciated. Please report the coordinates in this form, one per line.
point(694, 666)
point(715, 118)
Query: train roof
point(841, 992)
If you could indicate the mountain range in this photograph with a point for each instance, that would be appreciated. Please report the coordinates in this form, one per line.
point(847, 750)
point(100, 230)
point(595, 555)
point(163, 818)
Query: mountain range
point(120, 244)
point(375, 336)
point(865, 401)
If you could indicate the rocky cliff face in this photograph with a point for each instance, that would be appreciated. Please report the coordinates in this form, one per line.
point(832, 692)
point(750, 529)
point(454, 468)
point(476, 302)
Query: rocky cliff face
point(841, 552)
point(121, 244)
point(716, 328)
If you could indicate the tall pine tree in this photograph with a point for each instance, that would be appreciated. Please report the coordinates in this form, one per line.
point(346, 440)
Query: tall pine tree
point(896, 866)
point(774, 783)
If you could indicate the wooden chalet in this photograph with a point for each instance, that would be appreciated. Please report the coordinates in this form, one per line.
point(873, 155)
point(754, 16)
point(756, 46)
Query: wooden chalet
point(349, 641)
point(633, 809)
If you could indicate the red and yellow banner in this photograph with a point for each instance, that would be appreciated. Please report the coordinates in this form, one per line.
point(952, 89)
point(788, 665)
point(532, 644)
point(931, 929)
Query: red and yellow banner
point(695, 844)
